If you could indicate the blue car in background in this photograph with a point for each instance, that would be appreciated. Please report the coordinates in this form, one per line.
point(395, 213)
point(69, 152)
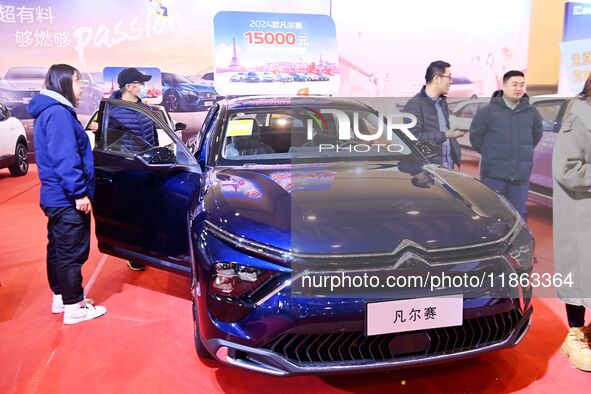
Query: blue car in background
point(300, 77)
point(179, 94)
point(257, 202)
point(252, 77)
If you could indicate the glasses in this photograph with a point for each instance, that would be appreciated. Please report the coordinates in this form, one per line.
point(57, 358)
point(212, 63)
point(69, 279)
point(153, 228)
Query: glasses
point(136, 83)
point(446, 76)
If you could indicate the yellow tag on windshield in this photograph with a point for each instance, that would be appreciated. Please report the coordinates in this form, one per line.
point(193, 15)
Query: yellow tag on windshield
point(240, 127)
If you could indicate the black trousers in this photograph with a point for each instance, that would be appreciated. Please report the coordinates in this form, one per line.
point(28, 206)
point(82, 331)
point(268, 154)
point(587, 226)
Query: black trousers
point(575, 315)
point(68, 235)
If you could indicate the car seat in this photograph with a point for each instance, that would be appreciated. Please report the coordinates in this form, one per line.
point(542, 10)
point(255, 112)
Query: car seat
point(248, 145)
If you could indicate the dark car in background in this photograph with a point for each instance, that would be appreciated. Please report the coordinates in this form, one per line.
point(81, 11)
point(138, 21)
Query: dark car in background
point(92, 92)
point(254, 205)
point(180, 94)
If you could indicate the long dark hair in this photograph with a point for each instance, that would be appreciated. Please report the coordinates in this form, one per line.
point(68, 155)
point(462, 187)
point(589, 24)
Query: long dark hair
point(586, 92)
point(59, 80)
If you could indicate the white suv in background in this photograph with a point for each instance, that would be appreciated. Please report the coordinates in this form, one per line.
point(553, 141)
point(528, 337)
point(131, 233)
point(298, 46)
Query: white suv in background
point(13, 144)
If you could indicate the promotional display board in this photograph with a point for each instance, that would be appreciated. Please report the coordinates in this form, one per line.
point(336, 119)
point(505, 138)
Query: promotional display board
point(151, 94)
point(575, 49)
point(264, 53)
point(576, 61)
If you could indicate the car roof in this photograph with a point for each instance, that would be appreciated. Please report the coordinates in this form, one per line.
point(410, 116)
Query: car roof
point(532, 99)
point(555, 96)
point(254, 102)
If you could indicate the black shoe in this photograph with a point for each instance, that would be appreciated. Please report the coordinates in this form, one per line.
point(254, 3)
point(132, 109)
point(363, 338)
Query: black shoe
point(135, 266)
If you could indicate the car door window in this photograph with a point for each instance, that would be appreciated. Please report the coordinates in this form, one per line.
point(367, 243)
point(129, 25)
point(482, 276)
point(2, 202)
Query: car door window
point(549, 111)
point(467, 111)
point(195, 142)
point(130, 129)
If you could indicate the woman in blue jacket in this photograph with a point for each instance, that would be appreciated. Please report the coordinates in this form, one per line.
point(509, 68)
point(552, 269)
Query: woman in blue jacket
point(66, 170)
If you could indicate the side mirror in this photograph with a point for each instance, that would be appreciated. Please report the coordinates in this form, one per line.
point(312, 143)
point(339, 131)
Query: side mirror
point(157, 156)
point(427, 148)
point(179, 126)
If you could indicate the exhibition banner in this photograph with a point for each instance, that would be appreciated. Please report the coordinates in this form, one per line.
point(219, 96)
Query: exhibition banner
point(152, 91)
point(577, 21)
point(275, 53)
point(576, 59)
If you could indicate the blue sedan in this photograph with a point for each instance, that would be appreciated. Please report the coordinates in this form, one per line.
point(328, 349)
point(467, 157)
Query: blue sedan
point(312, 248)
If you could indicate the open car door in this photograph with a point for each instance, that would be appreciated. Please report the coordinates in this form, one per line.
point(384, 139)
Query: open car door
point(143, 192)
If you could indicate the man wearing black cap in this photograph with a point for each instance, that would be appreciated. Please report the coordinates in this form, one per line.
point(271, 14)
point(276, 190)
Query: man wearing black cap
point(131, 86)
point(139, 130)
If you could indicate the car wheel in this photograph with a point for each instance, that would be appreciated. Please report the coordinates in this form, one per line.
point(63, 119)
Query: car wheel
point(199, 346)
point(172, 101)
point(21, 160)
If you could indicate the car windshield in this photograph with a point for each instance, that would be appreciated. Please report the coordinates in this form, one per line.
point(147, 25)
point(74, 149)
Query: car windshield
point(288, 134)
point(174, 78)
point(26, 73)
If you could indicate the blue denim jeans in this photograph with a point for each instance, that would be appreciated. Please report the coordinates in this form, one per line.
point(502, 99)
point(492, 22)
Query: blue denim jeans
point(516, 193)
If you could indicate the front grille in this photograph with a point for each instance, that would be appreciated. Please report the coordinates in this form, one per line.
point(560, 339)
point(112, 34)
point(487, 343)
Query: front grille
point(18, 95)
point(206, 95)
point(343, 347)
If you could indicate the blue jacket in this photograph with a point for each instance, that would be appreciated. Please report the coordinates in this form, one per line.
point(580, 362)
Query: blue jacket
point(62, 151)
point(506, 138)
point(133, 124)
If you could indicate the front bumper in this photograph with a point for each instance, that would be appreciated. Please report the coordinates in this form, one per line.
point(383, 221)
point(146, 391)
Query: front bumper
point(448, 347)
point(193, 102)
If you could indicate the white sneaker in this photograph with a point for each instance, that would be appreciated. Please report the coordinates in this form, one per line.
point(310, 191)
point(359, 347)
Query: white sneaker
point(57, 305)
point(79, 312)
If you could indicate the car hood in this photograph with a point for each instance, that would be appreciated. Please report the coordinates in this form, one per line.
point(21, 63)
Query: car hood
point(354, 208)
point(33, 84)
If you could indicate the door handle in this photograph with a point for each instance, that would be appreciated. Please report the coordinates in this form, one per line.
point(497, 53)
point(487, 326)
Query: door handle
point(103, 179)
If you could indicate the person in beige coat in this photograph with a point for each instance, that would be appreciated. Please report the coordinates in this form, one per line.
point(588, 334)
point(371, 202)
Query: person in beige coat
point(571, 169)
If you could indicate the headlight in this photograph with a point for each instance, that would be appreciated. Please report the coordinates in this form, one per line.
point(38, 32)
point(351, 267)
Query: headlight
point(521, 250)
point(233, 290)
point(258, 249)
point(235, 280)
point(189, 92)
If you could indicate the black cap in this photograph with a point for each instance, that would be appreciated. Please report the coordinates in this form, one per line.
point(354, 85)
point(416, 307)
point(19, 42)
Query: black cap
point(130, 75)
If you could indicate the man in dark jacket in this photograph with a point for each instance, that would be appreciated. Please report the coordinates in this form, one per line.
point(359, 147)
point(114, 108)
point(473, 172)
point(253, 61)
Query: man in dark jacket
point(429, 106)
point(505, 133)
point(139, 130)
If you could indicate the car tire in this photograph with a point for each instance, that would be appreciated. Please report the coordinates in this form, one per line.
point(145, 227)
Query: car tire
point(21, 160)
point(200, 348)
point(172, 101)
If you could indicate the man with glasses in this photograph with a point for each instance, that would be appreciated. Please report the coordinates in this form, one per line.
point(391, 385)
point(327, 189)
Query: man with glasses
point(430, 108)
point(505, 133)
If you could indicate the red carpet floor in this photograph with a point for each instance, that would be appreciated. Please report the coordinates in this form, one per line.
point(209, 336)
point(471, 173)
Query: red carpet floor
point(144, 343)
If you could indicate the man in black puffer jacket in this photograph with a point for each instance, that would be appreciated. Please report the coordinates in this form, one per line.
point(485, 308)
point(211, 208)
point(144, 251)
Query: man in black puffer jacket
point(139, 130)
point(505, 133)
point(429, 106)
